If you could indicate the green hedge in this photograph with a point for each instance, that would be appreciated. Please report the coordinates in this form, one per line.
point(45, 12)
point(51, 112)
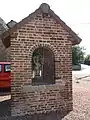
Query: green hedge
point(76, 67)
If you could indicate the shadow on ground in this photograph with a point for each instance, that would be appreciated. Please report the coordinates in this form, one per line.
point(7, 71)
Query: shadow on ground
point(5, 108)
point(49, 116)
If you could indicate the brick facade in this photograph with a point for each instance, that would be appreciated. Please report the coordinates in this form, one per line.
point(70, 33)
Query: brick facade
point(41, 31)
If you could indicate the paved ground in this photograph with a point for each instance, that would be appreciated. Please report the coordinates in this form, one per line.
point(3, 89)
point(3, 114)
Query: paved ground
point(5, 97)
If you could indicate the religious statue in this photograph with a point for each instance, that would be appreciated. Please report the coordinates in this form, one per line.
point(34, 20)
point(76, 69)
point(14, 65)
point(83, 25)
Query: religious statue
point(37, 65)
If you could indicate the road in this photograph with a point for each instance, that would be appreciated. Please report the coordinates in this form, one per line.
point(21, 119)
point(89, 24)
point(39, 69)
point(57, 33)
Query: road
point(83, 73)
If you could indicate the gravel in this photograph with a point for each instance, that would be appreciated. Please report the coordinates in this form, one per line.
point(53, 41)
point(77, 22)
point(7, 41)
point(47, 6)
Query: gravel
point(81, 100)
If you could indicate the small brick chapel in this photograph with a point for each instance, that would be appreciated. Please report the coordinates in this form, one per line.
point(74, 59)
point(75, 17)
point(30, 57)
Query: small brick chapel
point(41, 64)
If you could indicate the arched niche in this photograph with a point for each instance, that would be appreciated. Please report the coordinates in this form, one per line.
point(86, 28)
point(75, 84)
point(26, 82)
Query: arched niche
point(43, 66)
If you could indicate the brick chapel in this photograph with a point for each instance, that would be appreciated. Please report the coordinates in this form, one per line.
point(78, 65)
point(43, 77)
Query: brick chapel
point(41, 64)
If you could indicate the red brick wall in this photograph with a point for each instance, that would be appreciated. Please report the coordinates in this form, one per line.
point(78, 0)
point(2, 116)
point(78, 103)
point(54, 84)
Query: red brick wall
point(28, 99)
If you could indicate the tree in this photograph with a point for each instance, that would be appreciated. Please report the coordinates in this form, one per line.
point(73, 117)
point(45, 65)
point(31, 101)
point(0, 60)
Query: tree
point(87, 60)
point(87, 57)
point(77, 54)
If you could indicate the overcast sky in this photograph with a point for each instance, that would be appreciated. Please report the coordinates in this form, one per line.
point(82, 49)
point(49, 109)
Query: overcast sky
point(76, 14)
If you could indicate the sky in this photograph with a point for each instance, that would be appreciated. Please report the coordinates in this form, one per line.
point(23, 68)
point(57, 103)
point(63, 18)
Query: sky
point(75, 13)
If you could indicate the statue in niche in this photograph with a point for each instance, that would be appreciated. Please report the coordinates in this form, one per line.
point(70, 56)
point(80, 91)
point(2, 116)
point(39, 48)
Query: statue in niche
point(36, 65)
